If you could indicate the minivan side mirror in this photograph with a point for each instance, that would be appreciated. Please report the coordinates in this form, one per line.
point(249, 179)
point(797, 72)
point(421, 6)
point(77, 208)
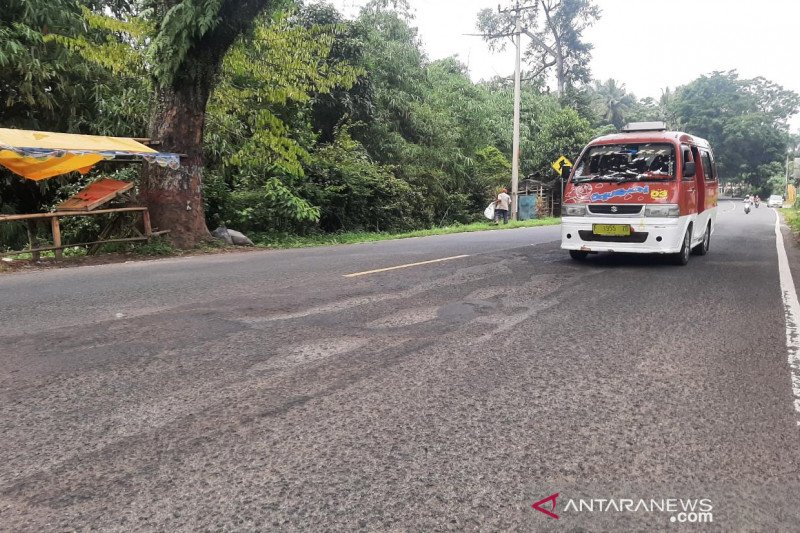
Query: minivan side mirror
point(688, 169)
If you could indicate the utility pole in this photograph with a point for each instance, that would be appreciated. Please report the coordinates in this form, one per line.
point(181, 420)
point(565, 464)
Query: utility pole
point(786, 184)
point(517, 99)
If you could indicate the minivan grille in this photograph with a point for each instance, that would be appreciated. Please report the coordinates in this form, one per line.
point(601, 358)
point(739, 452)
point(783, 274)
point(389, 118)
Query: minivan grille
point(615, 209)
point(638, 237)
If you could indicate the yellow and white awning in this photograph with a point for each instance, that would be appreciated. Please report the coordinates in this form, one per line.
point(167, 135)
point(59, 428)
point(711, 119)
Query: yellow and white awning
point(39, 155)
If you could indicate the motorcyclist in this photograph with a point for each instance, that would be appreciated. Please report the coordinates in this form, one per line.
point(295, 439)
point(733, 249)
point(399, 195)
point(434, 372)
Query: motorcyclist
point(756, 201)
point(748, 200)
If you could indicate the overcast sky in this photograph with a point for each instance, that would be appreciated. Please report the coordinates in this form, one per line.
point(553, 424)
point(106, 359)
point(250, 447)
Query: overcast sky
point(646, 44)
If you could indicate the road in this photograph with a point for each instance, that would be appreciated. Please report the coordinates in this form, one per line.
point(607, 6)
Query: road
point(266, 391)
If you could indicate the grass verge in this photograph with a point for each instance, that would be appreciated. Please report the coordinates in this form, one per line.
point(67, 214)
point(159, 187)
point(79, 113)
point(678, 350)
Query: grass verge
point(792, 216)
point(294, 241)
point(160, 247)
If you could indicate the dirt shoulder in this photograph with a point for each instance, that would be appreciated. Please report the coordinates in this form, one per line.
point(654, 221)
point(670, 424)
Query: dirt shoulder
point(164, 250)
point(27, 265)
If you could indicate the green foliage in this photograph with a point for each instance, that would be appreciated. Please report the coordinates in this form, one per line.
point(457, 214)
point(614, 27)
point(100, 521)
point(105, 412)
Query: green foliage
point(47, 81)
point(182, 24)
point(158, 246)
point(743, 119)
point(792, 216)
point(315, 123)
point(351, 118)
point(273, 206)
point(562, 133)
point(286, 240)
point(283, 64)
point(260, 136)
point(492, 169)
point(113, 43)
point(613, 104)
point(775, 183)
point(34, 71)
point(355, 193)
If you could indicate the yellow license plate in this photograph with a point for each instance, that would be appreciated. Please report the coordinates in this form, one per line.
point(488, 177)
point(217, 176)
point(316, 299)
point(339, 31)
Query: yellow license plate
point(617, 230)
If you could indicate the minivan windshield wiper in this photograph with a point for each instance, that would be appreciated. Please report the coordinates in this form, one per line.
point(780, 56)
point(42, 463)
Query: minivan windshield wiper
point(649, 176)
point(592, 178)
point(623, 176)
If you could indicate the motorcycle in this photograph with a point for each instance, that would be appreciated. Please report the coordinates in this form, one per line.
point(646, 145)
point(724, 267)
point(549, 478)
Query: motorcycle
point(757, 202)
point(747, 208)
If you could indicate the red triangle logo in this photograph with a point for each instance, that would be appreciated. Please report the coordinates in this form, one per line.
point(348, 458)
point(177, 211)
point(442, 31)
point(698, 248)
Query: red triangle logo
point(549, 512)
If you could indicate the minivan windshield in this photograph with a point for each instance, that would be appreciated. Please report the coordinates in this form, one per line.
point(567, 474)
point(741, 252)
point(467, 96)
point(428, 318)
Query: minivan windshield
point(627, 162)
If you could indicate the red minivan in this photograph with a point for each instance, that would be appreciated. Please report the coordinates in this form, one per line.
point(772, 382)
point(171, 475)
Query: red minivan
point(644, 190)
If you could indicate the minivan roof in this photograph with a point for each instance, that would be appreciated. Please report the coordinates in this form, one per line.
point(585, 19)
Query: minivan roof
point(652, 136)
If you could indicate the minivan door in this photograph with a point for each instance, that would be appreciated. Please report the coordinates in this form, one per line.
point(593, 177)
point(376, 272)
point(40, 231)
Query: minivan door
point(688, 183)
point(709, 183)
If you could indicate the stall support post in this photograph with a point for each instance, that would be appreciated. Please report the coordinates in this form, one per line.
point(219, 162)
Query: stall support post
point(56, 227)
point(148, 229)
point(33, 239)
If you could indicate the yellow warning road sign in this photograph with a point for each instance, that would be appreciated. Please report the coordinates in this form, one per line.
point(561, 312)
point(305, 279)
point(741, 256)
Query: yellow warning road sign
point(560, 162)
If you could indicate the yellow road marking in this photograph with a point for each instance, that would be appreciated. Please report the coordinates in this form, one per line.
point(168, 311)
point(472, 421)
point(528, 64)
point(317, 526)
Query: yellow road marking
point(404, 266)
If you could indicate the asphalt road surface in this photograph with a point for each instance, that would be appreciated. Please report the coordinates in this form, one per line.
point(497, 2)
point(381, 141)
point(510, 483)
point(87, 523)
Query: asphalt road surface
point(267, 391)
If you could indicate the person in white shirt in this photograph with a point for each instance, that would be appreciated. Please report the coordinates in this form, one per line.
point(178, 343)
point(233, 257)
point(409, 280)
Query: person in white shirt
point(501, 206)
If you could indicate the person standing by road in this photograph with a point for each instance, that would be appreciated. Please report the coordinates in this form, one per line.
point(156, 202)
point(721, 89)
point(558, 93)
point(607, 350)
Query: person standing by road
point(501, 206)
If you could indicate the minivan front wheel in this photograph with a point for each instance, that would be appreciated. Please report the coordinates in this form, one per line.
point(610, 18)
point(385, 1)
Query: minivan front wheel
point(702, 248)
point(682, 257)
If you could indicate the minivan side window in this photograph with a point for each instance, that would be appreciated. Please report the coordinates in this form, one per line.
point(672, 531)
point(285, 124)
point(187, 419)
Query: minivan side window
point(707, 167)
point(687, 157)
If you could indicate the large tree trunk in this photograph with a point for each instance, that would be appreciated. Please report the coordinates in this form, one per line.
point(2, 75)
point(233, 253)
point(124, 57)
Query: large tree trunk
point(561, 77)
point(175, 197)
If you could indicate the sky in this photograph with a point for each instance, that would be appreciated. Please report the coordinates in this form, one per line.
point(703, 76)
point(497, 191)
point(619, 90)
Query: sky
point(646, 44)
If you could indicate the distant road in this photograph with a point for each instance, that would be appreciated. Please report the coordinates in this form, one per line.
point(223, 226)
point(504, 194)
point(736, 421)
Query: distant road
point(428, 384)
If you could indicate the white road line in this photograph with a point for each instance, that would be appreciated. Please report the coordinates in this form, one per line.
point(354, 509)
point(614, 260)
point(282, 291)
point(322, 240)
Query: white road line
point(791, 308)
point(356, 274)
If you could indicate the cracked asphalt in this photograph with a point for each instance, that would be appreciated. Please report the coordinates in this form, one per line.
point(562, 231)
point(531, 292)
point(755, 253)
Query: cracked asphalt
point(267, 392)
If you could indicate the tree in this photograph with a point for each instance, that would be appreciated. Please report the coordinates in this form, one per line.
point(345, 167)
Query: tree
point(745, 120)
point(356, 193)
point(555, 28)
point(492, 171)
point(342, 104)
point(561, 132)
point(260, 134)
point(775, 182)
point(36, 74)
point(186, 53)
point(613, 102)
point(45, 72)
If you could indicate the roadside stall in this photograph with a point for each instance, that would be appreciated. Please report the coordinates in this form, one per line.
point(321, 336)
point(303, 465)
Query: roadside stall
point(40, 155)
point(536, 199)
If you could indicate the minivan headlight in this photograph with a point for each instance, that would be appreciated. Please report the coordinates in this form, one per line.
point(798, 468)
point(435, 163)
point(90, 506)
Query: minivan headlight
point(662, 210)
point(573, 210)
